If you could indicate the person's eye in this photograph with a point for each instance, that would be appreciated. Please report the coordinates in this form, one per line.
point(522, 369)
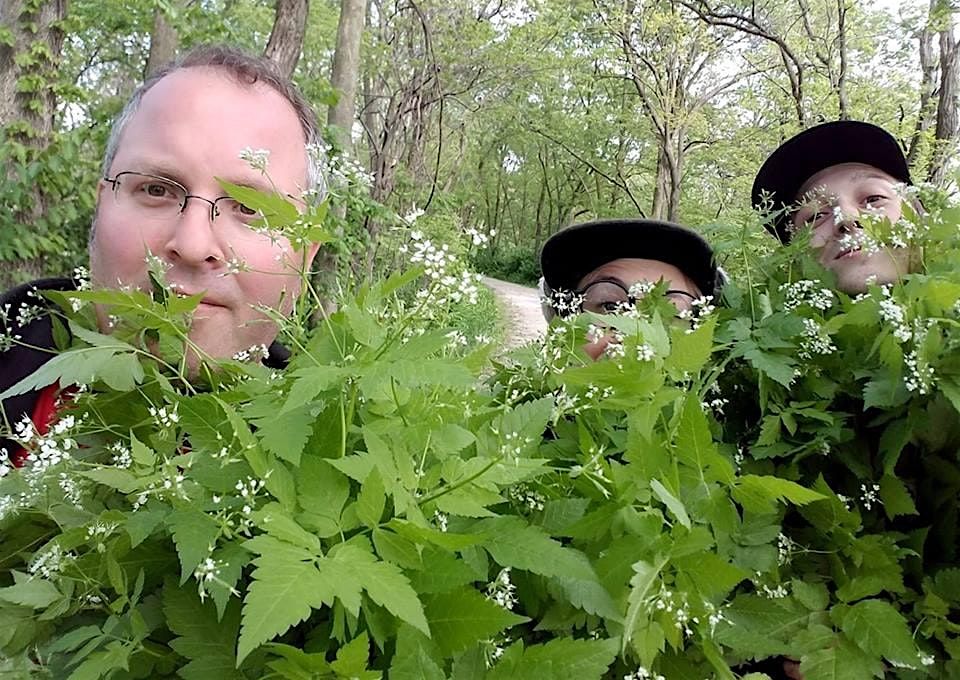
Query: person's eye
point(611, 306)
point(875, 200)
point(156, 189)
point(246, 210)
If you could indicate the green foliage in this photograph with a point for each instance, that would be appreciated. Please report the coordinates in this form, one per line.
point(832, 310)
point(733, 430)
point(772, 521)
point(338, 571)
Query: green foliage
point(520, 265)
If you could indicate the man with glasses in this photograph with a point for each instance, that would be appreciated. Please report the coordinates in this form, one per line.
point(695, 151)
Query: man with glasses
point(217, 113)
point(605, 265)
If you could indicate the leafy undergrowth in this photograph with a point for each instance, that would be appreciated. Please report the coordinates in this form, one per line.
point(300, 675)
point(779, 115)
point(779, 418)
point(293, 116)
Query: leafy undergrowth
point(773, 477)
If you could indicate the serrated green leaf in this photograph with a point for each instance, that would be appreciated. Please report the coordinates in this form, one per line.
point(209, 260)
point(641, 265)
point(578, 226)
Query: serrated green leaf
point(201, 636)
point(35, 593)
point(281, 594)
point(116, 478)
point(896, 498)
point(560, 659)
point(352, 659)
point(462, 617)
point(695, 446)
point(140, 524)
point(760, 494)
point(879, 629)
point(674, 504)
point(195, 533)
point(691, 351)
point(286, 433)
point(644, 576)
point(414, 660)
point(841, 660)
point(514, 544)
point(372, 499)
point(384, 583)
point(777, 367)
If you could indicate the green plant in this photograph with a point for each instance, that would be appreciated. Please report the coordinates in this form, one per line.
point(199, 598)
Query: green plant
point(689, 504)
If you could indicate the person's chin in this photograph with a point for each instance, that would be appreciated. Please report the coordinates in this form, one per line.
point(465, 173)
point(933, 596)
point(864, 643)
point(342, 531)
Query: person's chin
point(855, 275)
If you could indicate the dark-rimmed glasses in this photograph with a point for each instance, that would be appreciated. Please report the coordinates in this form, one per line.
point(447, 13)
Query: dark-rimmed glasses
point(159, 198)
point(611, 296)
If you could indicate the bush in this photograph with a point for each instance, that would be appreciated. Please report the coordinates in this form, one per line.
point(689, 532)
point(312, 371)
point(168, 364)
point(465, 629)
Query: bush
point(509, 264)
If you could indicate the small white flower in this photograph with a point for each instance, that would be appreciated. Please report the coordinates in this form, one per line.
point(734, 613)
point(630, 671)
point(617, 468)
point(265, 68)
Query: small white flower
point(255, 158)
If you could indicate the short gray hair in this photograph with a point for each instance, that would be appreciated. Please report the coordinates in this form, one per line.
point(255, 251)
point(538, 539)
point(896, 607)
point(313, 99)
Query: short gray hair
point(247, 69)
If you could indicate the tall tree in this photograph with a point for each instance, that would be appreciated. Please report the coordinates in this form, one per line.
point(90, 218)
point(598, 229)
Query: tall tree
point(670, 60)
point(345, 71)
point(31, 40)
point(164, 39)
point(946, 128)
point(286, 38)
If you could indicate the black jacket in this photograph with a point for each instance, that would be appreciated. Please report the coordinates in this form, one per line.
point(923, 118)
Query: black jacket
point(18, 362)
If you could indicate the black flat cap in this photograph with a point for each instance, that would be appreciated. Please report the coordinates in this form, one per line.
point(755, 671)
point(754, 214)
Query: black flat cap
point(574, 252)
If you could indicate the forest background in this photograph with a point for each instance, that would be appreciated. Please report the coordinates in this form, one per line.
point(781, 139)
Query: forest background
point(484, 123)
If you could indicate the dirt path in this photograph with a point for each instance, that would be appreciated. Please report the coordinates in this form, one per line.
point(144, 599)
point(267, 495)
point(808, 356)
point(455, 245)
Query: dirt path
point(522, 319)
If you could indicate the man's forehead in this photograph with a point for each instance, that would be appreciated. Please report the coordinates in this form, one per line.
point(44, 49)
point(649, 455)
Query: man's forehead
point(819, 185)
point(632, 269)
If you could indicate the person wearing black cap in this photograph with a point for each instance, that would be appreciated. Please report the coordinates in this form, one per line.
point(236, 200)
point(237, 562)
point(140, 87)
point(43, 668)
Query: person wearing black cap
point(596, 266)
point(829, 178)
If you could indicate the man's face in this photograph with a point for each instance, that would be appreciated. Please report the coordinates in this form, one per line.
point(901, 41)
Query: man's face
point(190, 128)
point(833, 202)
point(625, 273)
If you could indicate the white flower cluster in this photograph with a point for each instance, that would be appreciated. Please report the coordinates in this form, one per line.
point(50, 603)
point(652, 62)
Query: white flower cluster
point(478, 238)
point(50, 562)
point(595, 393)
point(564, 404)
point(870, 495)
point(121, 455)
point(920, 374)
point(806, 292)
point(784, 549)
point(774, 593)
point(895, 315)
point(256, 354)
point(563, 302)
point(346, 172)
point(716, 405)
point(699, 310)
point(677, 608)
point(165, 418)
point(170, 483)
point(71, 489)
point(645, 352)
point(44, 451)
point(815, 340)
point(248, 492)
point(208, 570)
point(513, 445)
point(255, 158)
point(441, 519)
point(440, 266)
point(525, 496)
point(99, 531)
point(643, 674)
point(502, 591)
point(27, 313)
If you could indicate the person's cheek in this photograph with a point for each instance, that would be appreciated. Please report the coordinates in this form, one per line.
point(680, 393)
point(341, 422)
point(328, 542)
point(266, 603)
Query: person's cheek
point(596, 349)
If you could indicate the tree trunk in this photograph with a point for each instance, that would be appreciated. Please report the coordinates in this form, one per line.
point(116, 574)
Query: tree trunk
point(928, 72)
point(286, 38)
point(346, 69)
point(946, 133)
point(163, 43)
point(28, 105)
point(27, 112)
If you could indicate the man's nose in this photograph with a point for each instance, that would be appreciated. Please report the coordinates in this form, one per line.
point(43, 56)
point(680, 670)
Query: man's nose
point(194, 239)
point(846, 216)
